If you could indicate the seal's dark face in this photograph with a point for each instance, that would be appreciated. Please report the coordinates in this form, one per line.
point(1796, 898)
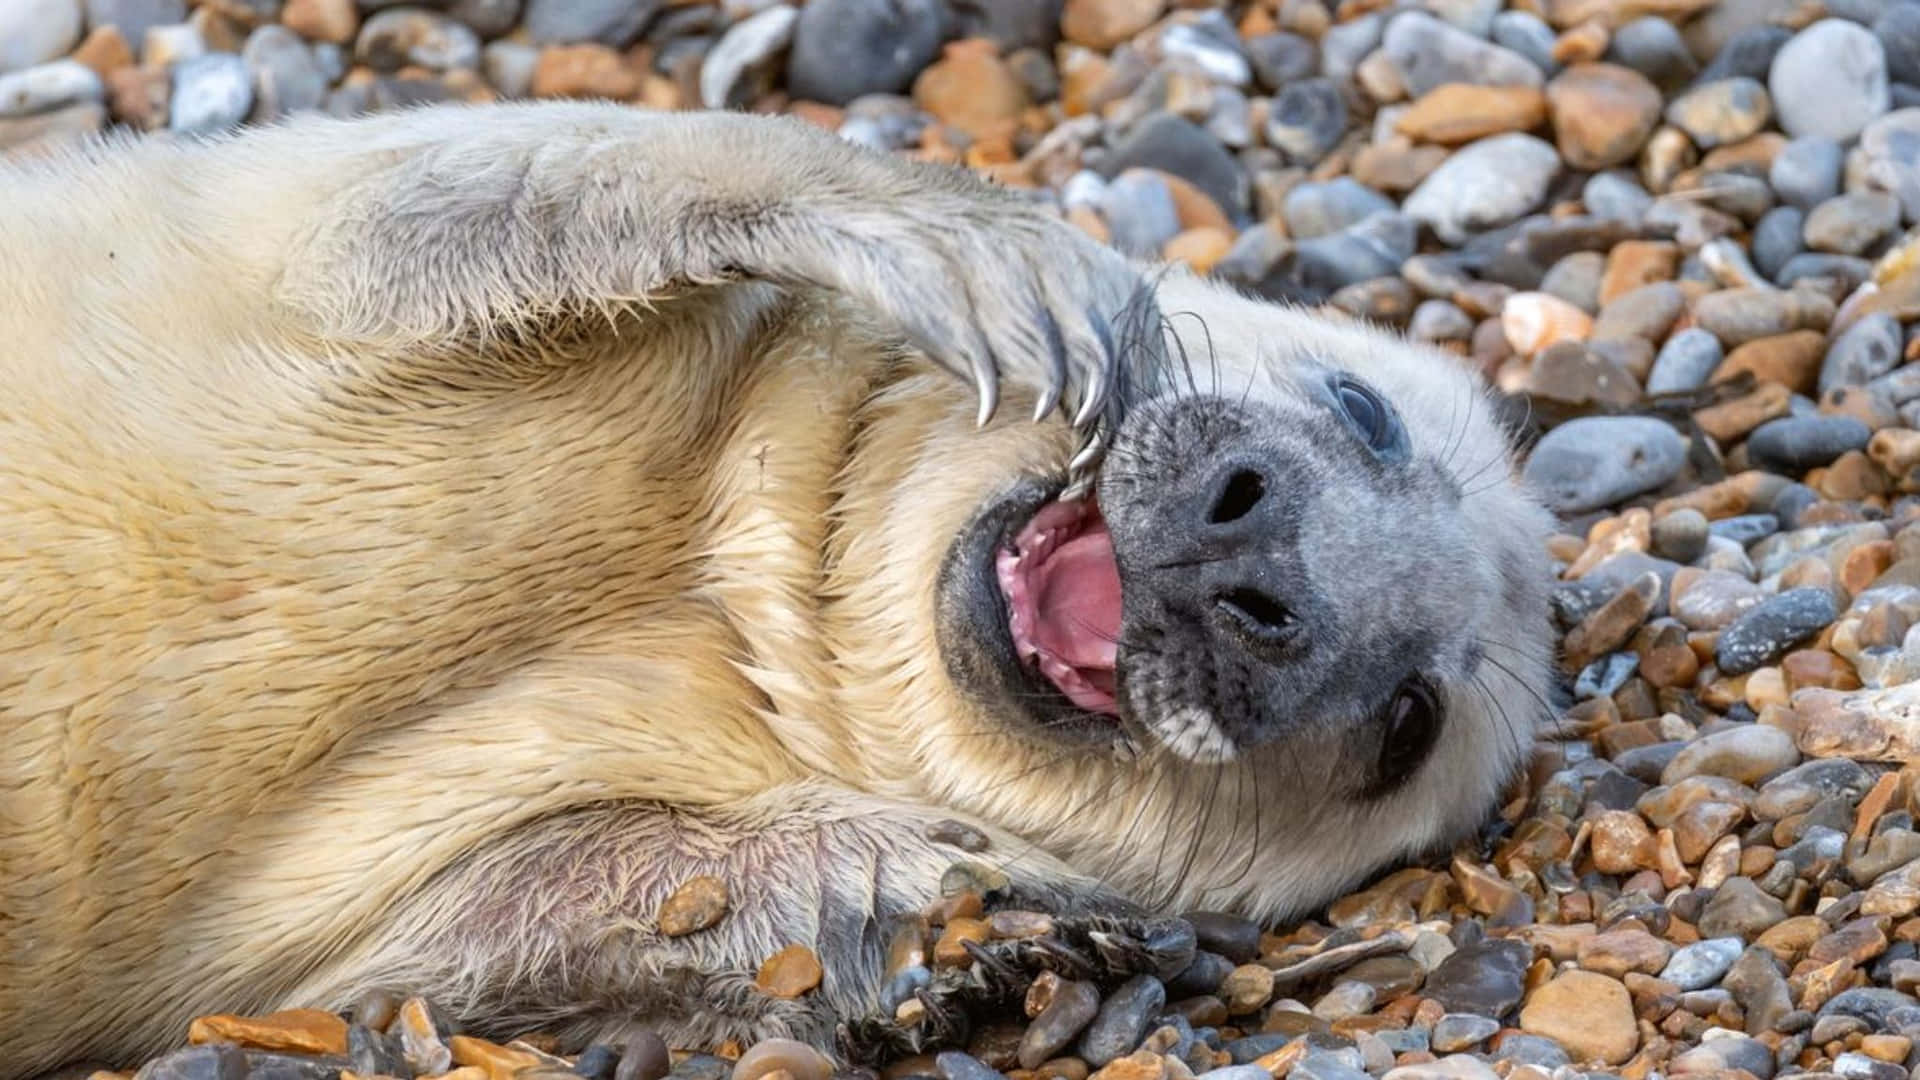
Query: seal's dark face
point(1253, 571)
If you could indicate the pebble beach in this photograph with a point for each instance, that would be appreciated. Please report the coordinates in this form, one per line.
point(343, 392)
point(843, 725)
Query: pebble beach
point(1678, 236)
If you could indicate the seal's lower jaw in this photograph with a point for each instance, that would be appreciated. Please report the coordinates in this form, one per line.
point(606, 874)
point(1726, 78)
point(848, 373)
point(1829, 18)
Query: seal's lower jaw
point(1061, 586)
point(1028, 616)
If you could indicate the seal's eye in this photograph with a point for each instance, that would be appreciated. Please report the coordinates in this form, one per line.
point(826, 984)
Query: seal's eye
point(1370, 417)
point(1366, 411)
point(1412, 722)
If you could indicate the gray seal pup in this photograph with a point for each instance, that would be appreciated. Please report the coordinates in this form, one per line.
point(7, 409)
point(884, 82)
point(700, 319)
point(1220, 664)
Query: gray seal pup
point(433, 538)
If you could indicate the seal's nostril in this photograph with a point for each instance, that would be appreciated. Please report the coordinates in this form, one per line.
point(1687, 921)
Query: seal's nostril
point(1243, 490)
point(1258, 614)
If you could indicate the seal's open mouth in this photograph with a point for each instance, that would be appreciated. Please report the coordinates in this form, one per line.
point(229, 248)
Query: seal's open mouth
point(1062, 588)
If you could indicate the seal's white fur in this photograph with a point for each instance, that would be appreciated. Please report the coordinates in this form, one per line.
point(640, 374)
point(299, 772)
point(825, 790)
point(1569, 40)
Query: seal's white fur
point(409, 575)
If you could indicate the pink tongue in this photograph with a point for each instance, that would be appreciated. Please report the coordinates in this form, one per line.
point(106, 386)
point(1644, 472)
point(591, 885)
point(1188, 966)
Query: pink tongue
point(1076, 596)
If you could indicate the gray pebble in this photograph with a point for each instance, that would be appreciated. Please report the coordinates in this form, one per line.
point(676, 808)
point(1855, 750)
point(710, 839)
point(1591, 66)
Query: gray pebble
point(1139, 210)
point(287, 78)
point(646, 1057)
point(1280, 58)
point(1830, 79)
point(1646, 763)
point(1248, 1048)
point(1745, 529)
point(1345, 44)
point(1852, 224)
point(702, 1067)
point(1681, 535)
point(1596, 461)
point(1576, 279)
point(843, 49)
point(375, 1054)
point(903, 984)
point(954, 1065)
point(1071, 1010)
point(1615, 195)
point(1427, 52)
point(1439, 320)
point(1484, 185)
point(1473, 16)
point(1485, 978)
point(609, 22)
point(1806, 171)
point(1329, 1065)
point(1210, 45)
point(1306, 119)
point(210, 93)
point(1653, 47)
point(1318, 267)
point(1776, 238)
point(1231, 936)
point(1411, 1040)
point(1766, 631)
point(1537, 1050)
point(36, 31)
point(1015, 24)
point(1898, 29)
point(1739, 910)
point(1798, 443)
point(1603, 678)
point(1123, 1020)
point(1848, 269)
point(1455, 1032)
point(597, 1062)
point(1816, 843)
point(1173, 144)
point(1748, 52)
point(1863, 352)
point(212, 1061)
point(1644, 314)
point(508, 66)
point(488, 18)
point(1870, 1003)
point(46, 87)
point(252, 1065)
point(1798, 789)
point(1702, 963)
point(1317, 208)
point(1758, 986)
point(1528, 35)
point(1736, 193)
point(1857, 1066)
point(1901, 385)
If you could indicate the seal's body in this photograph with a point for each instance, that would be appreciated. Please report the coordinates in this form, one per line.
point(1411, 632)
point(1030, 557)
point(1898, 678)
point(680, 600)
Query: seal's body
point(433, 538)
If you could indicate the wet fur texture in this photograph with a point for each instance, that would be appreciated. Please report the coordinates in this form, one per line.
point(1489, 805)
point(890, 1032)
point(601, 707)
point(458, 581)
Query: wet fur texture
point(432, 538)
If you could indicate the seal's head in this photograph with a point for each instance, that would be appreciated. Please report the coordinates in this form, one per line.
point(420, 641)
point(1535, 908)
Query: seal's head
point(1299, 629)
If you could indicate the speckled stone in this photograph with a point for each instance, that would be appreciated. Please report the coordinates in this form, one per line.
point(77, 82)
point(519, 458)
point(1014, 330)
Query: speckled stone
point(1703, 963)
point(1766, 631)
point(1829, 80)
point(1596, 461)
point(1796, 443)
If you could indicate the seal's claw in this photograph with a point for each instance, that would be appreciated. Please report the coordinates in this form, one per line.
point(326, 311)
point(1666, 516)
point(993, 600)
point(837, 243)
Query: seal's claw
point(1162, 947)
point(1091, 451)
point(946, 1022)
point(1056, 380)
point(987, 381)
